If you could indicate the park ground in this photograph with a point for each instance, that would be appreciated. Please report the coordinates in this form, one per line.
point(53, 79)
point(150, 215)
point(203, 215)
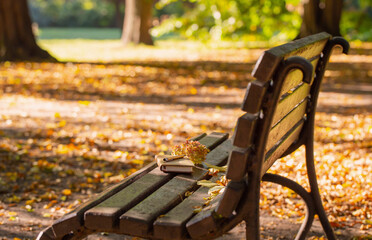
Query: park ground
point(70, 129)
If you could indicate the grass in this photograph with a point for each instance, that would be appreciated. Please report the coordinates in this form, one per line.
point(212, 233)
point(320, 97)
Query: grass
point(87, 50)
point(103, 45)
point(79, 33)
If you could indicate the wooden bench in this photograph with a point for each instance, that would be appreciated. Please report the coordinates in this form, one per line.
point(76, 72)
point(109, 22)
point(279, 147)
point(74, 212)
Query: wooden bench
point(279, 115)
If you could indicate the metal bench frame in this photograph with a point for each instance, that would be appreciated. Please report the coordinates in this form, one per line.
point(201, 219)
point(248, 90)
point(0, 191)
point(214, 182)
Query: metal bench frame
point(312, 198)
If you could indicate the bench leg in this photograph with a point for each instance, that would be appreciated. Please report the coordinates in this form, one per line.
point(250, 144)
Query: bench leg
point(252, 226)
point(297, 188)
point(315, 191)
point(252, 220)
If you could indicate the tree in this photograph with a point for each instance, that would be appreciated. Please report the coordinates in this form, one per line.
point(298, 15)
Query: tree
point(137, 22)
point(118, 14)
point(319, 16)
point(17, 41)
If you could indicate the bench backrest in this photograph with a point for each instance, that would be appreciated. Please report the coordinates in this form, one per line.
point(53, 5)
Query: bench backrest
point(280, 107)
point(286, 102)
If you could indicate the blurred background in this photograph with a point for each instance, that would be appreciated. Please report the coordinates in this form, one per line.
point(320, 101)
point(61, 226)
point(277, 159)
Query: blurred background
point(195, 19)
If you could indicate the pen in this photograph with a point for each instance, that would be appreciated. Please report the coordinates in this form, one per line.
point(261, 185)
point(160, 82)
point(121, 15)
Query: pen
point(168, 159)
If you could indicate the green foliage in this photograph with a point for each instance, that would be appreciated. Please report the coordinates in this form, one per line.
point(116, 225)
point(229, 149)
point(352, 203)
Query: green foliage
point(171, 8)
point(256, 20)
point(73, 13)
point(246, 20)
point(356, 22)
point(233, 19)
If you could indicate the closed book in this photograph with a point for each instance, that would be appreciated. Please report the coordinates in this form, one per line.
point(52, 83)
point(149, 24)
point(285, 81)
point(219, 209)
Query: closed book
point(179, 165)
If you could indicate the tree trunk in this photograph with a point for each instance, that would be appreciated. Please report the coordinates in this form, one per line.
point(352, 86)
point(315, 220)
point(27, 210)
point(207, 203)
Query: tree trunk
point(118, 15)
point(331, 16)
point(137, 22)
point(17, 41)
point(321, 16)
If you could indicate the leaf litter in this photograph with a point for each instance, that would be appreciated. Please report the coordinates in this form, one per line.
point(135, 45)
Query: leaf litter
point(68, 130)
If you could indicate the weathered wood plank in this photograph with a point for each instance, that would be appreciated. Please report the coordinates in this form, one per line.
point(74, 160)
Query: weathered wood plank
point(213, 139)
point(238, 162)
point(74, 220)
point(285, 124)
point(230, 198)
point(253, 97)
point(104, 216)
point(139, 219)
point(270, 59)
point(197, 138)
point(282, 146)
point(173, 224)
point(219, 155)
point(306, 47)
point(287, 103)
point(265, 66)
point(243, 134)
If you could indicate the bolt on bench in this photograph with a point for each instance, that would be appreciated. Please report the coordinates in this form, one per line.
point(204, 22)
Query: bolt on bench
point(280, 107)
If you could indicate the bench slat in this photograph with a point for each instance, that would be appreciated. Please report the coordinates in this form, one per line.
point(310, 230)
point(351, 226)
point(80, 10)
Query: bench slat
point(238, 163)
point(104, 216)
point(270, 59)
point(213, 139)
point(315, 47)
point(243, 134)
point(139, 219)
point(74, 220)
point(282, 146)
point(253, 97)
point(285, 124)
point(290, 101)
point(219, 155)
point(197, 138)
point(173, 224)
